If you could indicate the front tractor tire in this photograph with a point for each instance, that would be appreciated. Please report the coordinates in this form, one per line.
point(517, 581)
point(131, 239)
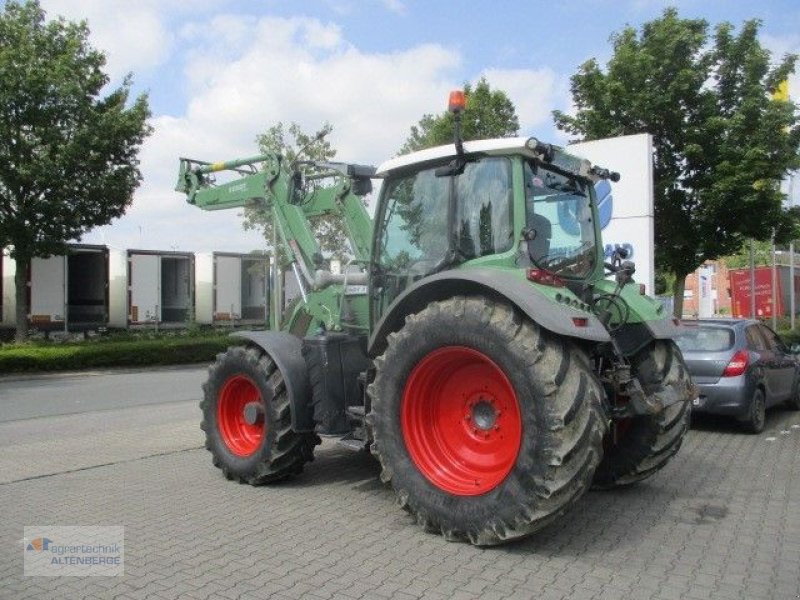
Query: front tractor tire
point(247, 419)
point(639, 447)
point(487, 427)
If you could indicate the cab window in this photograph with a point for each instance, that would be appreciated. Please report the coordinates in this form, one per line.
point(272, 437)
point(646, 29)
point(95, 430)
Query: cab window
point(483, 208)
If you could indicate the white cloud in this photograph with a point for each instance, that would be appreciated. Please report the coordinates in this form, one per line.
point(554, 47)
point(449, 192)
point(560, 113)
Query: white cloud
point(133, 35)
point(254, 72)
point(371, 99)
point(268, 71)
point(395, 6)
point(533, 92)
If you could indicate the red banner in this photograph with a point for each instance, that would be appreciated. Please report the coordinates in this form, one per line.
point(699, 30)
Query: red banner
point(740, 292)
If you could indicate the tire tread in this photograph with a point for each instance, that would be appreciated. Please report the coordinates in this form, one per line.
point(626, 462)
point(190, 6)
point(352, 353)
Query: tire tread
point(571, 437)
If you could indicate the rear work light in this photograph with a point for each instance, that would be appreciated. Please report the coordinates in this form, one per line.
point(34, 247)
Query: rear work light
point(544, 277)
point(737, 365)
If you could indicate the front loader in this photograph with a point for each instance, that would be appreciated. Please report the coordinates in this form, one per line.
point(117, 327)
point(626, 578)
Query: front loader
point(474, 345)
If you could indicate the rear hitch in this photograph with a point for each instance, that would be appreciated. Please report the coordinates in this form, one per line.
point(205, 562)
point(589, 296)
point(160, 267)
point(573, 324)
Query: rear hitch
point(640, 402)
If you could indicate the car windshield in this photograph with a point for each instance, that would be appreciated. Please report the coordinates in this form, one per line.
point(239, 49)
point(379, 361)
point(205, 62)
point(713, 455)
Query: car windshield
point(705, 338)
point(560, 226)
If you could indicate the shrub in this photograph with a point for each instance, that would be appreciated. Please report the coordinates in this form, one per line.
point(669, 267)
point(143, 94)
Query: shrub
point(107, 353)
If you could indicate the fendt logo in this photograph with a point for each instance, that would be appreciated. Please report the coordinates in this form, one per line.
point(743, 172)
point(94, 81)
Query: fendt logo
point(39, 545)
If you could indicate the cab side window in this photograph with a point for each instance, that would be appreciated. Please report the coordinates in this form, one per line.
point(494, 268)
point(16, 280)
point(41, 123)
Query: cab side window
point(483, 208)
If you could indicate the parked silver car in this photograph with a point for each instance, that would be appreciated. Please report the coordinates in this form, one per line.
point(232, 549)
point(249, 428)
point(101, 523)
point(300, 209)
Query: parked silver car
point(742, 368)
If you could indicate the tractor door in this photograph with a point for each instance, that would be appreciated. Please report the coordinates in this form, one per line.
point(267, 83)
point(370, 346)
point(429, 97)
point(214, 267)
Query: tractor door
point(427, 223)
point(411, 234)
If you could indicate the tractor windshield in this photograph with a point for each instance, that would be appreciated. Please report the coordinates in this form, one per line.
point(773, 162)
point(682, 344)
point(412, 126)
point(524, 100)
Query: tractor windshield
point(558, 211)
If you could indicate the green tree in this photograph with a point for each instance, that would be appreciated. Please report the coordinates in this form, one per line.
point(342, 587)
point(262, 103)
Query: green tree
point(291, 142)
point(762, 256)
point(722, 143)
point(488, 114)
point(68, 156)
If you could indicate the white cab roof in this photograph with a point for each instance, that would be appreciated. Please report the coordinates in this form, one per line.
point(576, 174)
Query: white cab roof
point(498, 146)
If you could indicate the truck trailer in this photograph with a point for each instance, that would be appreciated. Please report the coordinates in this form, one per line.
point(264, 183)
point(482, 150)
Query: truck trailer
point(160, 287)
point(70, 291)
point(232, 288)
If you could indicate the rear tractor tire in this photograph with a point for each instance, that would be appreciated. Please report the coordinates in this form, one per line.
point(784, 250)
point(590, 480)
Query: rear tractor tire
point(640, 446)
point(247, 419)
point(486, 426)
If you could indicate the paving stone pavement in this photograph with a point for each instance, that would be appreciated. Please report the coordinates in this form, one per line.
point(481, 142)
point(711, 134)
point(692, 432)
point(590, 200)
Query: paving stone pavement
point(722, 521)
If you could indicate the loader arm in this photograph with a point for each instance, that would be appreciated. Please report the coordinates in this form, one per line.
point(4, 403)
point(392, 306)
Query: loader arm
point(277, 187)
point(274, 187)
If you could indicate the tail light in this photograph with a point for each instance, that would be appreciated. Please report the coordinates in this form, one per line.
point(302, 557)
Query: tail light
point(737, 364)
point(544, 277)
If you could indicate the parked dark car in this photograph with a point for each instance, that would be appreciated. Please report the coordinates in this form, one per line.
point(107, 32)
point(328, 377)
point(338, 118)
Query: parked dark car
point(742, 368)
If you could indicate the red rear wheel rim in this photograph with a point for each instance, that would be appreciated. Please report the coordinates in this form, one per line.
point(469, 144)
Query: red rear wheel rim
point(461, 421)
point(241, 437)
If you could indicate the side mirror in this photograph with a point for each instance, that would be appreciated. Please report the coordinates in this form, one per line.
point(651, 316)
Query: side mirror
point(362, 187)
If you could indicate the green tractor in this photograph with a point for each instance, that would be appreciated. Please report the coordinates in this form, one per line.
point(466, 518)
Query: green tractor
point(473, 344)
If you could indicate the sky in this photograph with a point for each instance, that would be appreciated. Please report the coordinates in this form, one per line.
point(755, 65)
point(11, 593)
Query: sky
point(219, 73)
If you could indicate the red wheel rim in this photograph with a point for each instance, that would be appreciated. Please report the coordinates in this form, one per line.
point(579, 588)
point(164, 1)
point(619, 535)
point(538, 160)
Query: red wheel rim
point(241, 438)
point(461, 421)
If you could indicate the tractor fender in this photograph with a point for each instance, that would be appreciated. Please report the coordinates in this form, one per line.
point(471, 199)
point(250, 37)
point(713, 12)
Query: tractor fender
point(286, 351)
point(494, 284)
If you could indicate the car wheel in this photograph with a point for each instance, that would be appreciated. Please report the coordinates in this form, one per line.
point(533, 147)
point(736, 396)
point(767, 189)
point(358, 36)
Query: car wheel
point(794, 402)
point(757, 415)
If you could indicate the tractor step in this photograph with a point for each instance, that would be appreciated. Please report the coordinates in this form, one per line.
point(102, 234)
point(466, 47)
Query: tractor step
point(355, 412)
point(356, 439)
point(352, 443)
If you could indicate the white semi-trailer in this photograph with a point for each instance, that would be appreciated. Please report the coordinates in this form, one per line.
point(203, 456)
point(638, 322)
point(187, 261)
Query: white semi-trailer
point(8, 317)
point(160, 287)
point(70, 291)
point(231, 288)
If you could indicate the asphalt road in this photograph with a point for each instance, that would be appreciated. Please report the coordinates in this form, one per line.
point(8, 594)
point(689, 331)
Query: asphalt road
point(52, 424)
point(722, 520)
point(29, 397)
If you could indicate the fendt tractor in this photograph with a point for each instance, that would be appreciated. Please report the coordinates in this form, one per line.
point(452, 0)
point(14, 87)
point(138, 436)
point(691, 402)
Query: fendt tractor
point(473, 343)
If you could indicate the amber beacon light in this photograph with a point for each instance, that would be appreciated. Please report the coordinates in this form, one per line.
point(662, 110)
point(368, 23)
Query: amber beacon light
point(457, 101)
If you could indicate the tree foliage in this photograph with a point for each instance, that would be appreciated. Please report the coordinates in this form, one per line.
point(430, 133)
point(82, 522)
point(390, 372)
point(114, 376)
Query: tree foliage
point(290, 142)
point(68, 155)
point(488, 114)
point(722, 143)
point(762, 256)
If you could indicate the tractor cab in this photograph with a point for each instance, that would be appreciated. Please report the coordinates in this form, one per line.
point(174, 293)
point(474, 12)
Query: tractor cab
point(513, 203)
